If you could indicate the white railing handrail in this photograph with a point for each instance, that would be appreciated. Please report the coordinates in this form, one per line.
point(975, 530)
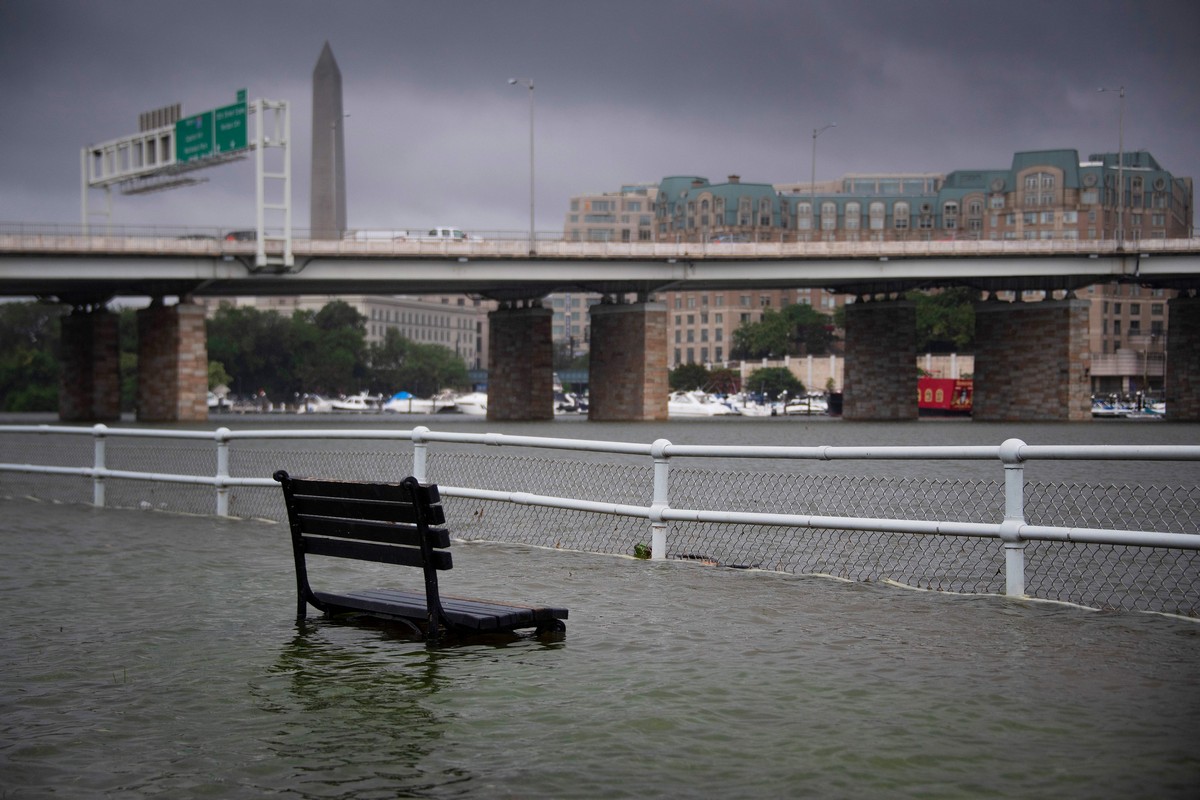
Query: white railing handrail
point(1023, 452)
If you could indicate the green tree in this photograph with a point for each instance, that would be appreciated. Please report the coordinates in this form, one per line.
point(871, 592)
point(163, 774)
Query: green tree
point(773, 381)
point(29, 366)
point(329, 350)
point(217, 376)
point(945, 319)
point(397, 364)
point(797, 329)
point(686, 377)
point(253, 346)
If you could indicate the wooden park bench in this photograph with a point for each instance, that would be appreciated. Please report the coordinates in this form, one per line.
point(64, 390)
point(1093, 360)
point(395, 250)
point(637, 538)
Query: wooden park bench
point(392, 523)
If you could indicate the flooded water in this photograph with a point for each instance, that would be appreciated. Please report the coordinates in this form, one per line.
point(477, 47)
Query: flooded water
point(154, 655)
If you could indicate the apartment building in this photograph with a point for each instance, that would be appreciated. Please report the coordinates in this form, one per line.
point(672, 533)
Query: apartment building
point(1043, 194)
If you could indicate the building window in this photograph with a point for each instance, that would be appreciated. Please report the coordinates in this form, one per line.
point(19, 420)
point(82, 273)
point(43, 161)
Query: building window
point(828, 216)
point(900, 213)
point(950, 215)
point(853, 216)
point(876, 215)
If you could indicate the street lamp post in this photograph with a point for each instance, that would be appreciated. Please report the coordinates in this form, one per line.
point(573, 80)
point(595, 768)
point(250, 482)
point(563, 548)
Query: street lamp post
point(528, 82)
point(812, 183)
point(1120, 198)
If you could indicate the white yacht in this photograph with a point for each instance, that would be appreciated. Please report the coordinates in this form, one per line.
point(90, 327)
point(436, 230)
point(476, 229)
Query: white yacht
point(696, 404)
point(474, 404)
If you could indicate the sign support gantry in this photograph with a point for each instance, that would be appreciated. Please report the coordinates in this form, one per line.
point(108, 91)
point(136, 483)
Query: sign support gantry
point(168, 149)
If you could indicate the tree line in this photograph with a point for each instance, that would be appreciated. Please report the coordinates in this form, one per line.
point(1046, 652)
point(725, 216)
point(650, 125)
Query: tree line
point(250, 351)
point(326, 352)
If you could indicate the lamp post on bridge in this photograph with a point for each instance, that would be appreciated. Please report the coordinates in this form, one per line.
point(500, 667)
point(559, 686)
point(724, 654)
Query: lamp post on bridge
point(812, 183)
point(1120, 198)
point(528, 82)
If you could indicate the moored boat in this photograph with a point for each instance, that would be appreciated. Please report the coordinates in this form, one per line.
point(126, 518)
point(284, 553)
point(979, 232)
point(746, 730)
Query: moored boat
point(474, 403)
point(406, 403)
point(696, 404)
point(360, 402)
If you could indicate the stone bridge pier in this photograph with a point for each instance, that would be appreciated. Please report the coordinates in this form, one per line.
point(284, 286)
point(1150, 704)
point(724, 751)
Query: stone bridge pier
point(90, 386)
point(1031, 361)
point(627, 377)
point(1182, 380)
point(172, 363)
point(521, 363)
point(881, 361)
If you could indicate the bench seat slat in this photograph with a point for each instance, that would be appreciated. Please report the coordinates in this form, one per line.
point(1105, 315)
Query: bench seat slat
point(480, 615)
point(380, 510)
point(361, 491)
point(385, 554)
point(372, 531)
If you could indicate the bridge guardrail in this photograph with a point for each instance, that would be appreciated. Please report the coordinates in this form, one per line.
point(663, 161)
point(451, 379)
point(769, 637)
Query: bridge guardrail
point(19, 239)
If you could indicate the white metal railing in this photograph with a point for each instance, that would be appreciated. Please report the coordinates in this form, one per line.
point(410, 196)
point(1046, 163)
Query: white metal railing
point(1013, 531)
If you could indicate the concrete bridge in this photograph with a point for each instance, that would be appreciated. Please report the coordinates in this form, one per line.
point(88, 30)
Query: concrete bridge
point(629, 347)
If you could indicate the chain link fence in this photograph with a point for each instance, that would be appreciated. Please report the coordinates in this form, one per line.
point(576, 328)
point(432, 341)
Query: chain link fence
point(1097, 576)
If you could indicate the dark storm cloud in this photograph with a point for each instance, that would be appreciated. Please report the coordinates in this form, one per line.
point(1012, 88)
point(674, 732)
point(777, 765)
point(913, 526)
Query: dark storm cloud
point(626, 91)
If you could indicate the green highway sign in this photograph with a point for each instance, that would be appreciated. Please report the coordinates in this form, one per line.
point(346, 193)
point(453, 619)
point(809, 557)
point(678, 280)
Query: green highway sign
point(212, 133)
point(194, 137)
point(229, 123)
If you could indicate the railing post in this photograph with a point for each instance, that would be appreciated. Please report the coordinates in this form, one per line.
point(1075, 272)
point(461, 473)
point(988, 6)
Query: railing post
point(662, 500)
point(99, 464)
point(420, 452)
point(222, 435)
point(1014, 518)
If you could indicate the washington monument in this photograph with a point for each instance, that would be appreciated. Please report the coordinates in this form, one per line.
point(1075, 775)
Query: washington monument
point(328, 204)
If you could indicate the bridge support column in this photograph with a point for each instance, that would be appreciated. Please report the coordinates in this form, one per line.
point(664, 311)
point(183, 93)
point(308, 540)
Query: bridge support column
point(627, 369)
point(521, 364)
point(172, 364)
point(1031, 361)
point(90, 386)
point(881, 351)
point(1182, 380)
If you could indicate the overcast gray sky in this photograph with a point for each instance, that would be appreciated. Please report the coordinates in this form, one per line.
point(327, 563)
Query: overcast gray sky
point(626, 91)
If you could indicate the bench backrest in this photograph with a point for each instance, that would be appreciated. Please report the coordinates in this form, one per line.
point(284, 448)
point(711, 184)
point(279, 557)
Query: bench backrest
point(390, 523)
